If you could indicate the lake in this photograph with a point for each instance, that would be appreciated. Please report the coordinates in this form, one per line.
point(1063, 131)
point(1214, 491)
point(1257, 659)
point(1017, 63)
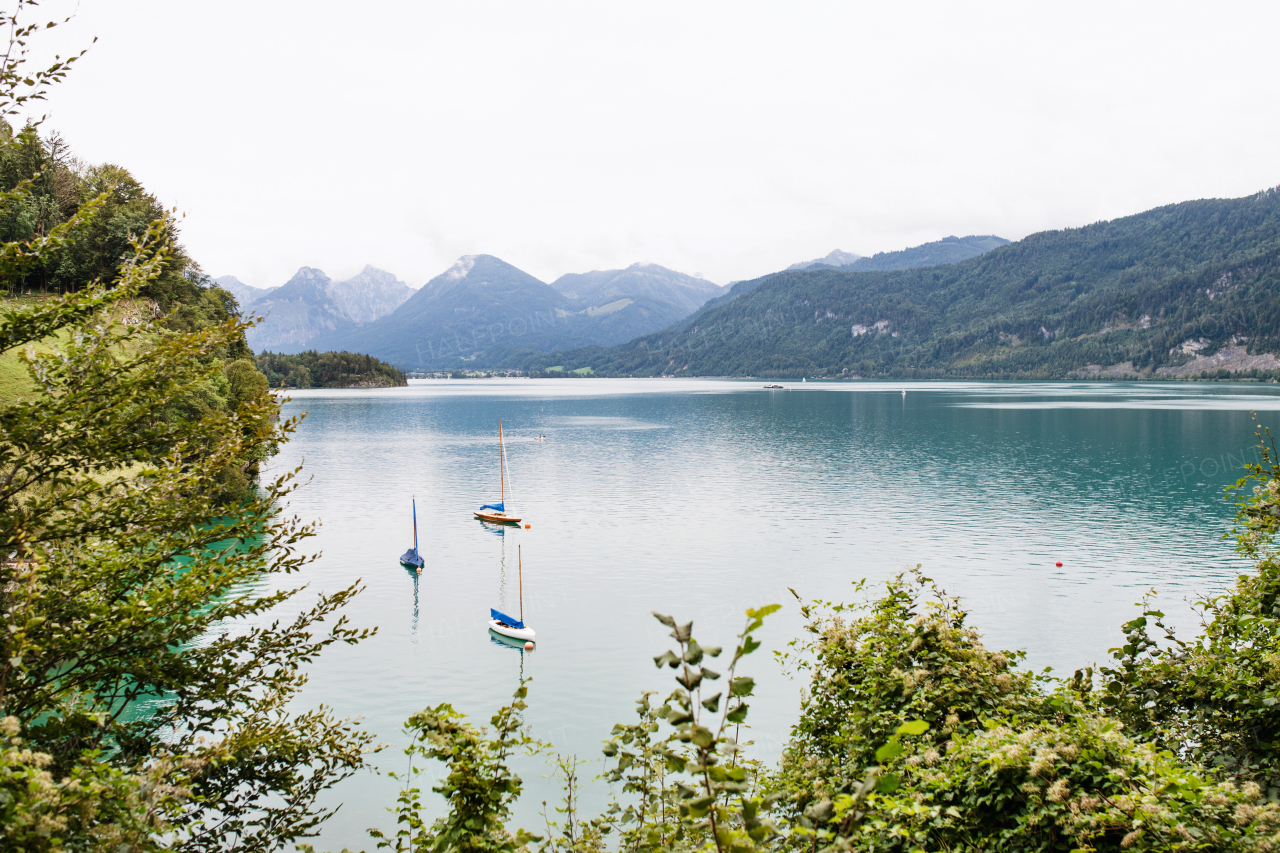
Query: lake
point(700, 498)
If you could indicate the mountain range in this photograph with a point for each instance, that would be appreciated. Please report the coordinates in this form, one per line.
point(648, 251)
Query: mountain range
point(1176, 290)
point(484, 311)
point(244, 293)
point(482, 307)
point(311, 304)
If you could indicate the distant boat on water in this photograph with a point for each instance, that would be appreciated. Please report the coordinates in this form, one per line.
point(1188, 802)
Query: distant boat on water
point(411, 559)
point(773, 387)
point(497, 513)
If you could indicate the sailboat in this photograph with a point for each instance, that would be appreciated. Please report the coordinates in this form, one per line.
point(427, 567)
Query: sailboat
point(410, 559)
point(501, 623)
point(498, 512)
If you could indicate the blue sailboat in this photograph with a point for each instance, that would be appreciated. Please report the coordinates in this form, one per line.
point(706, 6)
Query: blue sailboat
point(410, 559)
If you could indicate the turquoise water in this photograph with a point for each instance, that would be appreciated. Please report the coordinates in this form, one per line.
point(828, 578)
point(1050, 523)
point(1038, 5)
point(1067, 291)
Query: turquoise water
point(701, 498)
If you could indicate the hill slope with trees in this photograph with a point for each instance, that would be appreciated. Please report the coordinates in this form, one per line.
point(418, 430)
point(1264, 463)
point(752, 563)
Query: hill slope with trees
point(1166, 292)
point(313, 369)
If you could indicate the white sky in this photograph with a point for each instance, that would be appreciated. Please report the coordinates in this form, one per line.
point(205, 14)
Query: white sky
point(729, 139)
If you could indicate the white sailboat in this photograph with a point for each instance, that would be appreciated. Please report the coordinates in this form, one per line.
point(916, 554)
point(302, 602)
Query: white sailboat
point(501, 623)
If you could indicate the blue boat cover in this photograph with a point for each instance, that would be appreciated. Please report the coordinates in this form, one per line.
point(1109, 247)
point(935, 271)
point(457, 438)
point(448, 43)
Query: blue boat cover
point(502, 617)
point(500, 507)
point(411, 558)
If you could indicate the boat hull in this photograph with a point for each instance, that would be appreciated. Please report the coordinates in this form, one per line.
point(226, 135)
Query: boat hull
point(496, 517)
point(526, 634)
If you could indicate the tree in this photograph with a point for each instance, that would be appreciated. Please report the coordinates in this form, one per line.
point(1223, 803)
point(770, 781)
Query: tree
point(139, 705)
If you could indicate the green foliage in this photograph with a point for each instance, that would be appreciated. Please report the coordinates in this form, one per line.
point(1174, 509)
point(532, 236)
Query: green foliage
point(121, 559)
point(94, 806)
point(144, 697)
point(916, 737)
point(479, 787)
point(313, 369)
point(907, 656)
point(1063, 786)
point(693, 786)
point(1214, 699)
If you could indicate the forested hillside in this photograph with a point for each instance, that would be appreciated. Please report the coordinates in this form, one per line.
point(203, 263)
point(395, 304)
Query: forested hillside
point(1179, 289)
point(313, 369)
point(949, 250)
point(50, 188)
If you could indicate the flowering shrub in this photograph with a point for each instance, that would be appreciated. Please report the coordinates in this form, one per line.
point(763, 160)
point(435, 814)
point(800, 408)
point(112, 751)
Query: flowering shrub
point(908, 656)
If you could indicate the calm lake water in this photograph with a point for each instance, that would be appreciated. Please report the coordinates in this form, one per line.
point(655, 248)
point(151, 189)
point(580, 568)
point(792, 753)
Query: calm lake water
point(701, 498)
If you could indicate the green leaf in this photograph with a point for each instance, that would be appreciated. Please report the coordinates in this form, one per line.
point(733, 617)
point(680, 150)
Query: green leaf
point(691, 681)
point(888, 752)
point(712, 704)
point(693, 655)
point(698, 808)
point(710, 674)
point(665, 620)
point(666, 657)
point(738, 714)
point(742, 686)
point(915, 727)
point(702, 737)
point(887, 783)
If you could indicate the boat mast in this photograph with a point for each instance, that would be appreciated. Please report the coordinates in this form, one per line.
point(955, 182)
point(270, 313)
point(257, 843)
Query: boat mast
point(502, 474)
point(520, 563)
point(415, 525)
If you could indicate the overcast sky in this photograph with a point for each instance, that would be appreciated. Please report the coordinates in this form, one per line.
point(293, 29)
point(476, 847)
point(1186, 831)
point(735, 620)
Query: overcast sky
point(727, 139)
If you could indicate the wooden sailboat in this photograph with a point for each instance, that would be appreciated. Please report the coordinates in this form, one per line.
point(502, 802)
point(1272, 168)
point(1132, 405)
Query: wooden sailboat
point(410, 559)
point(497, 513)
point(501, 623)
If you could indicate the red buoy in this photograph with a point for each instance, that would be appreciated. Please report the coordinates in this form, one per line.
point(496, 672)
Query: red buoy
point(527, 526)
point(1059, 564)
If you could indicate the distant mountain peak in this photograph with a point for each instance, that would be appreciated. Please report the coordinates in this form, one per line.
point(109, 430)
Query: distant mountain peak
point(461, 267)
point(948, 250)
point(244, 293)
point(311, 304)
point(309, 274)
point(834, 258)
